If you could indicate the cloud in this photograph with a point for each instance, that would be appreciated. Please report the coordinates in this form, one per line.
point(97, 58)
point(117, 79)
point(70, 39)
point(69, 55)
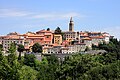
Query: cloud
point(35, 15)
point(57, 16)
point(12, 13)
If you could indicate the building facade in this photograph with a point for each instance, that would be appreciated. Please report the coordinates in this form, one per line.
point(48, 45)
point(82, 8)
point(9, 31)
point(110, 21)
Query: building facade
point(58, 39)
point(11, 38)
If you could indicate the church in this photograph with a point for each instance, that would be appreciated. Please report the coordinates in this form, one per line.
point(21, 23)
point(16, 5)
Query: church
point(71, 35)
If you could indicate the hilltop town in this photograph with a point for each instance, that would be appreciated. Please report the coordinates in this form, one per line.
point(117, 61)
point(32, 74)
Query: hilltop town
point(56, 41)
point(60, 40)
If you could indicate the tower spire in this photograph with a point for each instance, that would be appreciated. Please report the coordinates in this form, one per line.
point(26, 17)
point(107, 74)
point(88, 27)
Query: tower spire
point(71, 25)
point(71, 19)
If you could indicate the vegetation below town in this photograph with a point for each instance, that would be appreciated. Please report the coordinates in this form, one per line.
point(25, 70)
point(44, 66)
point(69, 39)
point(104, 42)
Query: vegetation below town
point(75, 67)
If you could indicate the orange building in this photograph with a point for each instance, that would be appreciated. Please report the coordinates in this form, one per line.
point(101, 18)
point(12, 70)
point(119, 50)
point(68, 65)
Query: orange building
point(48, 36)
point(42, 37)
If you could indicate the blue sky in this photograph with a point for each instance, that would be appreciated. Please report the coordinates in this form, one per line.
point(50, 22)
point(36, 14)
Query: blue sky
point(33, 15)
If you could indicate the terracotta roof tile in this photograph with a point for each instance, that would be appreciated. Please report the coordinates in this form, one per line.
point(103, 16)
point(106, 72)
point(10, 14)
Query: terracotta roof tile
point(86, 38)
point(97, 37)
point(43, 31)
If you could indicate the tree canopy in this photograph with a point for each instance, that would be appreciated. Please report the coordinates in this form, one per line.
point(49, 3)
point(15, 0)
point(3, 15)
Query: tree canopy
point(12, 48)
point(1, 47)
point(48, 29)
point(20, 49)
point(37, 48)
point(58, 30)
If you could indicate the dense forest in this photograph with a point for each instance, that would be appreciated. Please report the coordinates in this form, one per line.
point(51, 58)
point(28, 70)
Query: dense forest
point(104, 66)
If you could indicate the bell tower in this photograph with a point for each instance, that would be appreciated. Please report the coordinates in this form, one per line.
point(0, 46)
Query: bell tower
point(71, 25)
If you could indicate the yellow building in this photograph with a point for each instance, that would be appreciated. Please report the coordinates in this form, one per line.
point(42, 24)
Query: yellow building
point(57, 39)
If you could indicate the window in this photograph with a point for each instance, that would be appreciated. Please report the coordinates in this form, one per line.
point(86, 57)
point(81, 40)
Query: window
point(47, 36)
point(21, 42)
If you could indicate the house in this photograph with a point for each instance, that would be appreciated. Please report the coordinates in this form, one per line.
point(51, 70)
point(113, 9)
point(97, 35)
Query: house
point(106, 37)
point(76, 48)
point(71, 36)
point(97, 40)
point(58, 39)
point(83, 35)
point(13, 37)
point(48, 35)
point(43, 37)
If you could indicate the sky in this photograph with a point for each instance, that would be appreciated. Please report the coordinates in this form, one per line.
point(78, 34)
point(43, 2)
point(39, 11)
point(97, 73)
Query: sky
point(33, 15)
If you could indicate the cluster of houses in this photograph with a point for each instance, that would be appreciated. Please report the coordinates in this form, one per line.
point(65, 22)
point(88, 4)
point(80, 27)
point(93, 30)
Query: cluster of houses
point(66, 43)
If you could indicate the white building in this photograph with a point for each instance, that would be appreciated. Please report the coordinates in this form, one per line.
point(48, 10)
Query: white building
point(76, 48)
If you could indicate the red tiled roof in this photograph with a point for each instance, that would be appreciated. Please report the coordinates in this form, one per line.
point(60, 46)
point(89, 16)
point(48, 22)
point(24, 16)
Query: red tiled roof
point(13, 33)
point(43, 31)
point(94, 32)
point(83, 34)
point(97, 37)
point(34, 37)
point(87, 38)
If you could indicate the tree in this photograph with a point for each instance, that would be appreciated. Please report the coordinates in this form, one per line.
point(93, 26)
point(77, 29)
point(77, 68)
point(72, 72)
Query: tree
point(29, 60)
point(9, 67)
point(11, 58)
point(3, 66)
point(27, 73)
point(87, 48)
point(44, 60)
point(52, 59)
point(20, 49)
point(1, 47)
point(94, 47)
point(48, 29)
point(57, 30)
point(63, 38)
point(12, 48)
point(37, 48)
